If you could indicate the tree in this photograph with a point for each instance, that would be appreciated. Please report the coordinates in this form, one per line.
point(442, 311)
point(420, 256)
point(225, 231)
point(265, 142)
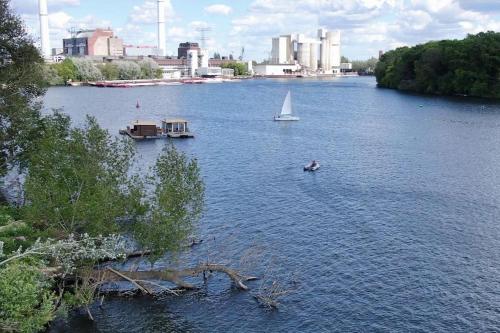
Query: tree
point(21, 83)
point(239, 68)
point(344, 59)
point(466, 67)
point(78, 180)
point(177, 203)
point(51, 75)
point(109, 71)
point(149, 68)
point(128, 70)
point(86, 70)
point(67, 70)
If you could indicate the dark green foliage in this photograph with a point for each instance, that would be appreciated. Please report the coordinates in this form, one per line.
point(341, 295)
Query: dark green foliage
point(78, 179)
point(239, 68)
point(450, 67)
point(21, 83)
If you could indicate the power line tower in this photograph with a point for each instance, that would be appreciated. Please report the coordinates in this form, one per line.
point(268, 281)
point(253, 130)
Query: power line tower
point(73, 31)
point(203, 35)
point(242, 54)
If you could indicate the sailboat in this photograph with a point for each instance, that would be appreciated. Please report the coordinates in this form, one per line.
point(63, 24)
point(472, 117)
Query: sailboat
point(286, 110)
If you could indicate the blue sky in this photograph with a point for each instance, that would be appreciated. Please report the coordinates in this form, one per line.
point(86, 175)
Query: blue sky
point(366, 25)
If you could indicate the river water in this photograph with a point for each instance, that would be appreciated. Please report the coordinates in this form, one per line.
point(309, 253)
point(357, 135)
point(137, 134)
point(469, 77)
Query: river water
point(398, 231)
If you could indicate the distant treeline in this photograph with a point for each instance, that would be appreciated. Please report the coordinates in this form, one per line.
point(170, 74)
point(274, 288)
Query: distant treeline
point(449, 67)
point(81, 69)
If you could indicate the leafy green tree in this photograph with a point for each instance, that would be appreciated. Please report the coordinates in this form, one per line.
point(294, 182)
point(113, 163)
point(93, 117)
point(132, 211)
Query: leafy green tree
point(51, 75)
point(67, 70)
point(86, 70)
point(176, 205)
point(239, 68)
point(109, 71)
point(78, 180)
point(21, 83)
point(149, 68)
point(466, 67)
point(128, 70)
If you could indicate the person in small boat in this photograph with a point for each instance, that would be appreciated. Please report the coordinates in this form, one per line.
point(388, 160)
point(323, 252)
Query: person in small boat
point(313, 164)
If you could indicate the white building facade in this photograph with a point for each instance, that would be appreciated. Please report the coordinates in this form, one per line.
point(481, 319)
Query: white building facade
point(320, 54)
point(282, 51)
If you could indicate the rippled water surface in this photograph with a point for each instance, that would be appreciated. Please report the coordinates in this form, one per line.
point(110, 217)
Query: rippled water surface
point(398, 231)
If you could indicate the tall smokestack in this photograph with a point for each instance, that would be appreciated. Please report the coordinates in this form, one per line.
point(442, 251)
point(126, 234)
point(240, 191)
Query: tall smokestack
point(44, 29)
point(161, 28)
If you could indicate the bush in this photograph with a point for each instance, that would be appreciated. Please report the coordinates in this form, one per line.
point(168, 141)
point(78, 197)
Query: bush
point(26, 302)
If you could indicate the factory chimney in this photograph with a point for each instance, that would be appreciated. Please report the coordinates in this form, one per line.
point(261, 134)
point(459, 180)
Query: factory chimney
point(161, 28)
point(44, 29)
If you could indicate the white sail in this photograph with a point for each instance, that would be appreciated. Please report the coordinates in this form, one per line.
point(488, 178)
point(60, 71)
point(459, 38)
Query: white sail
point(286, 110)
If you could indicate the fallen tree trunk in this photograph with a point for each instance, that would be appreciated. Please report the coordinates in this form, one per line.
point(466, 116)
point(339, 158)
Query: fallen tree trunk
point(138, 278)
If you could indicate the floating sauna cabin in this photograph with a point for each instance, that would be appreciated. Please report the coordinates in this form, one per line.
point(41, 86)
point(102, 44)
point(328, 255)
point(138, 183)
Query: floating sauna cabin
point(143, 129)
point(176, 128)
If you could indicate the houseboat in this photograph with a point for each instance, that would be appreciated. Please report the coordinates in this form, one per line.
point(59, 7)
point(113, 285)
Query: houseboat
point(143, 129)
point(176, 128)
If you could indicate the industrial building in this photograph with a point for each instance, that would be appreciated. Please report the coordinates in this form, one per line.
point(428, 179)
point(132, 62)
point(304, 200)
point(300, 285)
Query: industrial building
point(140, 51)
point(182, 50)
point(276, 69)
point(321, 55)
point(96, 42)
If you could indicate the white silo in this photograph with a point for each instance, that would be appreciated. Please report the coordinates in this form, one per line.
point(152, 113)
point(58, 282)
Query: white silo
point(204, 58)
point(192, 56)
point(325, 56)
point(333, 38)
point(161, 28)
point(44, 29)
point(313, 63)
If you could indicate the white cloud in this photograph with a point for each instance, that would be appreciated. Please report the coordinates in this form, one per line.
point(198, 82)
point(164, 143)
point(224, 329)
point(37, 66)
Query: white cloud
point(218, 9)
point(365, 24)
point(147, 12)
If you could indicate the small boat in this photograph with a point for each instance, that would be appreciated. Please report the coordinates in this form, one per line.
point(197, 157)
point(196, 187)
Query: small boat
point(312, 166)
point(286, 110)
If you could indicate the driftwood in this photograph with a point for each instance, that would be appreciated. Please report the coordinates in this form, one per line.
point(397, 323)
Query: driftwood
point(138, 278)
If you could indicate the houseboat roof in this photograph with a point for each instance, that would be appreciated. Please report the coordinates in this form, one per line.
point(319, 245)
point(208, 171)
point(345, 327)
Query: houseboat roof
point(175, 120)
point(144, 122)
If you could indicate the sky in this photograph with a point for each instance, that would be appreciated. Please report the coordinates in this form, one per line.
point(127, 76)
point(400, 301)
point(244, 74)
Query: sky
point(367, 26)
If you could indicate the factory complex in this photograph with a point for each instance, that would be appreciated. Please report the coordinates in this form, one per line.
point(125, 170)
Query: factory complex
point(300, 54)
point(291, 55)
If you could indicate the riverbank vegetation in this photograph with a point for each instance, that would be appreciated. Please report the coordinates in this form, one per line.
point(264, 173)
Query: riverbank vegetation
point(362, 67)
point(240, 69)
point(468, 67)
point(80, 69)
